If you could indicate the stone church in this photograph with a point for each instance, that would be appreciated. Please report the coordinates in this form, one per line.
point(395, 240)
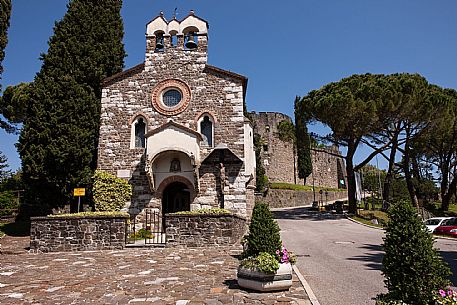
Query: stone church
point(174, 125)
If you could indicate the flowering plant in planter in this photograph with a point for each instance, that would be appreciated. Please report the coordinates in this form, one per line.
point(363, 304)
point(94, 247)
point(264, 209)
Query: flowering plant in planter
point(285, 256)
point(448, 297)
point(266, 263)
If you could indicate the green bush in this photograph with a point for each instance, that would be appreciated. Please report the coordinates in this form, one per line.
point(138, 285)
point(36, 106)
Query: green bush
point(263, 233)
point(110, 193)
point(264, 262)
point(8, 203)
point(412, 267)
point(142, 234)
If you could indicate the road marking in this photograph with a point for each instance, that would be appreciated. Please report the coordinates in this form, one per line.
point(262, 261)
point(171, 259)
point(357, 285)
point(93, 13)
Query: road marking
point(309, 291)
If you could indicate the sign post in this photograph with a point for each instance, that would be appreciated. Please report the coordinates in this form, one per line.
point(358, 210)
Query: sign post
point(79, 192)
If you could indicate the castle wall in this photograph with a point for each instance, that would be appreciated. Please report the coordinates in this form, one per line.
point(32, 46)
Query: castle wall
point(280, 161)
point(277, 156)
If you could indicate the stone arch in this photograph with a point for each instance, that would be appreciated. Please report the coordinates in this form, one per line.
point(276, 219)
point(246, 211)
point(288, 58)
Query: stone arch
point(136, 115)
point(176, 178)
point(207, 112)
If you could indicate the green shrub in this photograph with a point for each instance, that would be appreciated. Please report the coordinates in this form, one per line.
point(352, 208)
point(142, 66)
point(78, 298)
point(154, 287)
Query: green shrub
point(263, 233)
point(8, 203)
point(110, 193)
point(412, 267)
point(264, 262)
point(142, 234)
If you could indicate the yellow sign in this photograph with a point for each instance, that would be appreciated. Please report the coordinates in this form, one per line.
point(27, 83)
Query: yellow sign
point(79, 192)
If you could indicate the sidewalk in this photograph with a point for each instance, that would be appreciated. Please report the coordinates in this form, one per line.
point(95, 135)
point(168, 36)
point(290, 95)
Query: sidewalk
point(133, 276)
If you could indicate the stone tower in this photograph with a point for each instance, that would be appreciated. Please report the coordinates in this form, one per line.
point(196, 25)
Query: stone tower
point(280, 160)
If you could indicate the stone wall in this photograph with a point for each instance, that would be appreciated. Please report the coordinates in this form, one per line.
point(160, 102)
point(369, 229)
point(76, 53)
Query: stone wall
point(280, 162)
point(53, 234)
point(289, 198)
point(204, 230)
point(328, 169)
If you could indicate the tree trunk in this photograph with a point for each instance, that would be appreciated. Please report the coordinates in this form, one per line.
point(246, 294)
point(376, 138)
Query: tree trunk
point(386, 197)
point(445, 188)
point(351, 179)
point(407, 171)
point(446, 199)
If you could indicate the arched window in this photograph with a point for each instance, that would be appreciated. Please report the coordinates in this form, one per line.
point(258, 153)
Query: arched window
point(140, 131)
point(206, 129)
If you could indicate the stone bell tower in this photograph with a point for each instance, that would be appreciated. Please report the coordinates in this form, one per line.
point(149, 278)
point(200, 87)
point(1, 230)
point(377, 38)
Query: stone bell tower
point(181, 41)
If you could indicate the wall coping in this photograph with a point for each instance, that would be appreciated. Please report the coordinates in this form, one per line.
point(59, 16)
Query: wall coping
point(171, 215)
point(43, 218)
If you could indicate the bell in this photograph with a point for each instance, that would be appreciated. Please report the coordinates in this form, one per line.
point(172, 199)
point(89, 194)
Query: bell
point(191, 44)
point(159, 43)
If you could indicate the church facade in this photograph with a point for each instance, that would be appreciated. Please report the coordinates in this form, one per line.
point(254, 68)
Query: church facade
point(174, 126)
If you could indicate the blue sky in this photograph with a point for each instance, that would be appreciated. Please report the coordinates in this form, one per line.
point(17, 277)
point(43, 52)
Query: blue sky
point(285, 48)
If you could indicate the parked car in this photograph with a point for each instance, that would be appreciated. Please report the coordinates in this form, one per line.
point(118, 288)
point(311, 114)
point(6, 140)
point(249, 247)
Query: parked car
point(435, 222)
point(448, 227)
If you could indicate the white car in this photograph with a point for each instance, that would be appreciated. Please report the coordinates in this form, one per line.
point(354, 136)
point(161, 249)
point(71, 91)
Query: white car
point(435, 222)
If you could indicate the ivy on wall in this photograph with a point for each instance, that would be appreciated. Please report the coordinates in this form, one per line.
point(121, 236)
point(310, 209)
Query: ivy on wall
point(110, 193)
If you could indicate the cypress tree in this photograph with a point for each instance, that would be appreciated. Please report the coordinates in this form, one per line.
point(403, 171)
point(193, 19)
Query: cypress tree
point(305, 166)
point(5, 14)
point(263, 232)
point(413, 269)
point(58, 143)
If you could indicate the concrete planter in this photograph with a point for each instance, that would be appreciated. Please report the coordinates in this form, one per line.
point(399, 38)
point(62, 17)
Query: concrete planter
point(255, 280)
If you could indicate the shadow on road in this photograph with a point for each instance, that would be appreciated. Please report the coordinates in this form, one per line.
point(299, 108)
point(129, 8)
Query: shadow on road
point(305, 213)
point(372, 256)
point(451, 258)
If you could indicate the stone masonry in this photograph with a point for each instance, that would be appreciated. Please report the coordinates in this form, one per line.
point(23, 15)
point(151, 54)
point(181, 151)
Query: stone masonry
point(280, 161)
point(204, 230)
point(55, 234)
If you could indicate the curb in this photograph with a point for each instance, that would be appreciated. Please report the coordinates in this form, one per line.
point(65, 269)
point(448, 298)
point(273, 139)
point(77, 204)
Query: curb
point(361, 223)
point(308, 290)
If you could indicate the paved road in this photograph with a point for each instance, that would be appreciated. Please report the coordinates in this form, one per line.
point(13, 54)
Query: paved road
point(341, 260)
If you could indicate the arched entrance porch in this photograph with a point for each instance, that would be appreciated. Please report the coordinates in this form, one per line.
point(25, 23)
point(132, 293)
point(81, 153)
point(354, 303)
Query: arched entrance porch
point(176, 198)
point(177, 193)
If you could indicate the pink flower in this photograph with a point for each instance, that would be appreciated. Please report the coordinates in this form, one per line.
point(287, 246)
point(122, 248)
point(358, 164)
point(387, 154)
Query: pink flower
point(442, 293)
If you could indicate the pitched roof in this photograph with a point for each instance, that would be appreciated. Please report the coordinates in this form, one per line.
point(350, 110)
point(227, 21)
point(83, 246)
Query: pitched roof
point(122, 75)
point(179, 126)
point(217, 70)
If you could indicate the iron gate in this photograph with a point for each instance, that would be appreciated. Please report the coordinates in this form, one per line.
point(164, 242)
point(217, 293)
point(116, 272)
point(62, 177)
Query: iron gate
point(150, 231)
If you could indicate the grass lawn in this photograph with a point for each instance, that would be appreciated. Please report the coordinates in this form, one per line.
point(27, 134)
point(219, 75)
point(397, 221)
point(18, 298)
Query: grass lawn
point(365, 221)
point(365, 216)
point(452, 212)
point(299, 187)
